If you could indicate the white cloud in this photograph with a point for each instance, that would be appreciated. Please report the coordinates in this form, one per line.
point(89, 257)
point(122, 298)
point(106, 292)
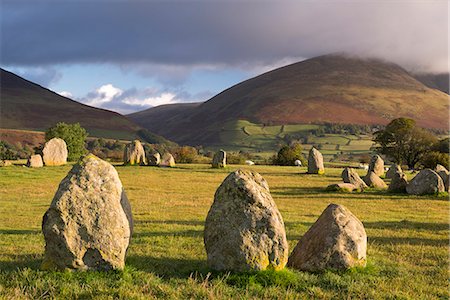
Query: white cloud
point(105, 93)
point(66, 94)
point(164, 98)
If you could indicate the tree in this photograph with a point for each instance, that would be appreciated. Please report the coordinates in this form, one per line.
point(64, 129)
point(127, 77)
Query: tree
point(287, 155)
point(404, 142)
point(73, 134)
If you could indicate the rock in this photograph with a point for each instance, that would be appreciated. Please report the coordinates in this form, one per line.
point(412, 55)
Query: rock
point(445, 175)
point(249, 163)
point(374, 181)
point(350, 175)
point(89, 222)
point(398, 184)
point(220, 159)
point(315, 162)
point(426, 182)
point(298, 163)
point(244, 230)
point(337, 240)
point(154, 159)
point(376, 165)
point(343, 187)
point(35, 161)
point(167, 160)
point(55, 152)
point(5, 163)
point(392, 170)
point(134, 154)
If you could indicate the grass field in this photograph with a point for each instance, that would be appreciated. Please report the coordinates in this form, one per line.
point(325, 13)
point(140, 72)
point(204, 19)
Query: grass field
point(407, 240)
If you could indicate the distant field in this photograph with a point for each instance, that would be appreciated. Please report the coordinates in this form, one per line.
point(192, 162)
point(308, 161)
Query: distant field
point(407, 240)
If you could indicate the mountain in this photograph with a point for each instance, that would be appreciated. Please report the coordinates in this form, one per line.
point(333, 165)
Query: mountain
point(327, 89)
point(435, 81)
point(28, 106)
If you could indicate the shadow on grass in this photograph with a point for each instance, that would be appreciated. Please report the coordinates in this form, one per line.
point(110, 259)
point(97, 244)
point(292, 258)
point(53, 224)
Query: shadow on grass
point(182, 233)
point(405, 224)
point(31, 261)
point(407, 241)
point(19, 231)
point(295, 191)
point(172, 222)
point(167, 266)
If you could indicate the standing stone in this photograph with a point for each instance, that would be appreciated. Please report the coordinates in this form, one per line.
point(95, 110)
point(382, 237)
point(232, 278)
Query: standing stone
point(374, 181)
point(337, 240)
point(426, 182)
point(445, 175)
point(55, 152)
point(244, 230)
point(393, 170)
point(154, 159)
point(315, 162)
point(167, 160)
point(220, 159)
point(134, 154)
point(398, 184)
point(376, 165)
point(35, 161)
point(350, 175)
point(89, 223)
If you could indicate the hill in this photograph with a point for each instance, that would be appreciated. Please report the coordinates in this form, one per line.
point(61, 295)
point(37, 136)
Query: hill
point(327, 89)
point(435, 81)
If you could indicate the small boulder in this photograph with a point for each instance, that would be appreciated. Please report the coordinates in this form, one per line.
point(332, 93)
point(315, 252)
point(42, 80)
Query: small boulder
point(350, 175)
point(134, 154)
point(55, 152)
point(220, 159)
point(444, 173)
point(89, 223)
point(244, 230)
point(376, 165)
point(35, 161)
point(5, 163)
point(343, 187)
point(167, 160)
point(398, 184)
point(315, 162)
point(337, 240)
point(426, 182)
point(154, 159)
point(392, 170)
point(374, 181)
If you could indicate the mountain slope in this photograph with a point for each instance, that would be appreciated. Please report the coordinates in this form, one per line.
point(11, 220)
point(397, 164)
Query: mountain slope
point(330, 88)
point(435, 81)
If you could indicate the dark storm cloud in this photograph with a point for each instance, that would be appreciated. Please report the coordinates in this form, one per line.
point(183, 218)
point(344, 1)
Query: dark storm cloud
point(414, 34)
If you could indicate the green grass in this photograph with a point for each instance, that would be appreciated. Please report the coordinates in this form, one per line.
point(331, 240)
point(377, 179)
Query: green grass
point(407, 239)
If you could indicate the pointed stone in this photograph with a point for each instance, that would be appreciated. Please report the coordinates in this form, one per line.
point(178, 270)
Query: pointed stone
point(374, 181)
point(398, 184)
point(392, 170)
point(426, 182)
point(350, 175)
point(154, 159)
point(134, 154)
point(315, 162)
point(220, 159)
point(167, 160)
point(376, 165)
point(55, 152)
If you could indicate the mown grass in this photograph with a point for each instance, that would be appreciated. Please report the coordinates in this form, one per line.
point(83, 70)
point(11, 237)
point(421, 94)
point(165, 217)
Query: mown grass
point(407, 239)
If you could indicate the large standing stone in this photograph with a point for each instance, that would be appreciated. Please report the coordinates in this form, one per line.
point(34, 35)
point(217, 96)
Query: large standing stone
point(337, 240)
point(55, 152)
point(35, 161)
point(220, 159)
point(89, 222)
point(167, 160)
point(350, 175)
point(376, 165)
point(445, 175)
point(374, 181)
point(398, 184)
point(154, 159)
point(244, 230)
point(426, 182)
point(393, 170)
point(134, 154)
point(315, 162)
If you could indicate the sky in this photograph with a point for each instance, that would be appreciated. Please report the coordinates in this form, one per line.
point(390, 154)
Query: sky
point(131, 55)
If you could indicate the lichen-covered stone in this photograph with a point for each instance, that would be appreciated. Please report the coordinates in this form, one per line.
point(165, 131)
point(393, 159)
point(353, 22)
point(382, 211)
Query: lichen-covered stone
point(154, 159)
point(167, 160)
point(55, 152)
point(315, 162)
point(426, 182)
point(35, 161)
point(398, 184)
point(445, 175)
point(350, 175)
point(220, 159)
point(337, 240)
point(374, 181)
point(134, 154)
point(89, 222)
point(343, 187)
point(393, 170)
point(244, 230)
point(376, 165)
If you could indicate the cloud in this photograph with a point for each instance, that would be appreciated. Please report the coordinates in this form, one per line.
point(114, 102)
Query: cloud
point(66, 94)
point(104, 94)
point(44, 76)
point(185, 35)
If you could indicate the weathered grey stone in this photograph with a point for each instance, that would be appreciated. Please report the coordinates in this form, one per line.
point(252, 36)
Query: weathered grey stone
point(55, 152)
point(350, 175)
point(134, 154)
point(167, 160)
point(376, 165)
point(89, 222)
point(392, 170)
point(244, 230)
point(374, 181)
point(154, 159)
point(220, 159)
point(445, 175)
point(315, 162)
point(35, 161)
point(337, 240)
point(399, 182)
point(426, 182)
point(343, 187)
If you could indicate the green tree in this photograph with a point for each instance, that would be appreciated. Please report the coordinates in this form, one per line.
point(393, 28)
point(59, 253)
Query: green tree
point(287, 155)
point(404, 142)
point(73, 134)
